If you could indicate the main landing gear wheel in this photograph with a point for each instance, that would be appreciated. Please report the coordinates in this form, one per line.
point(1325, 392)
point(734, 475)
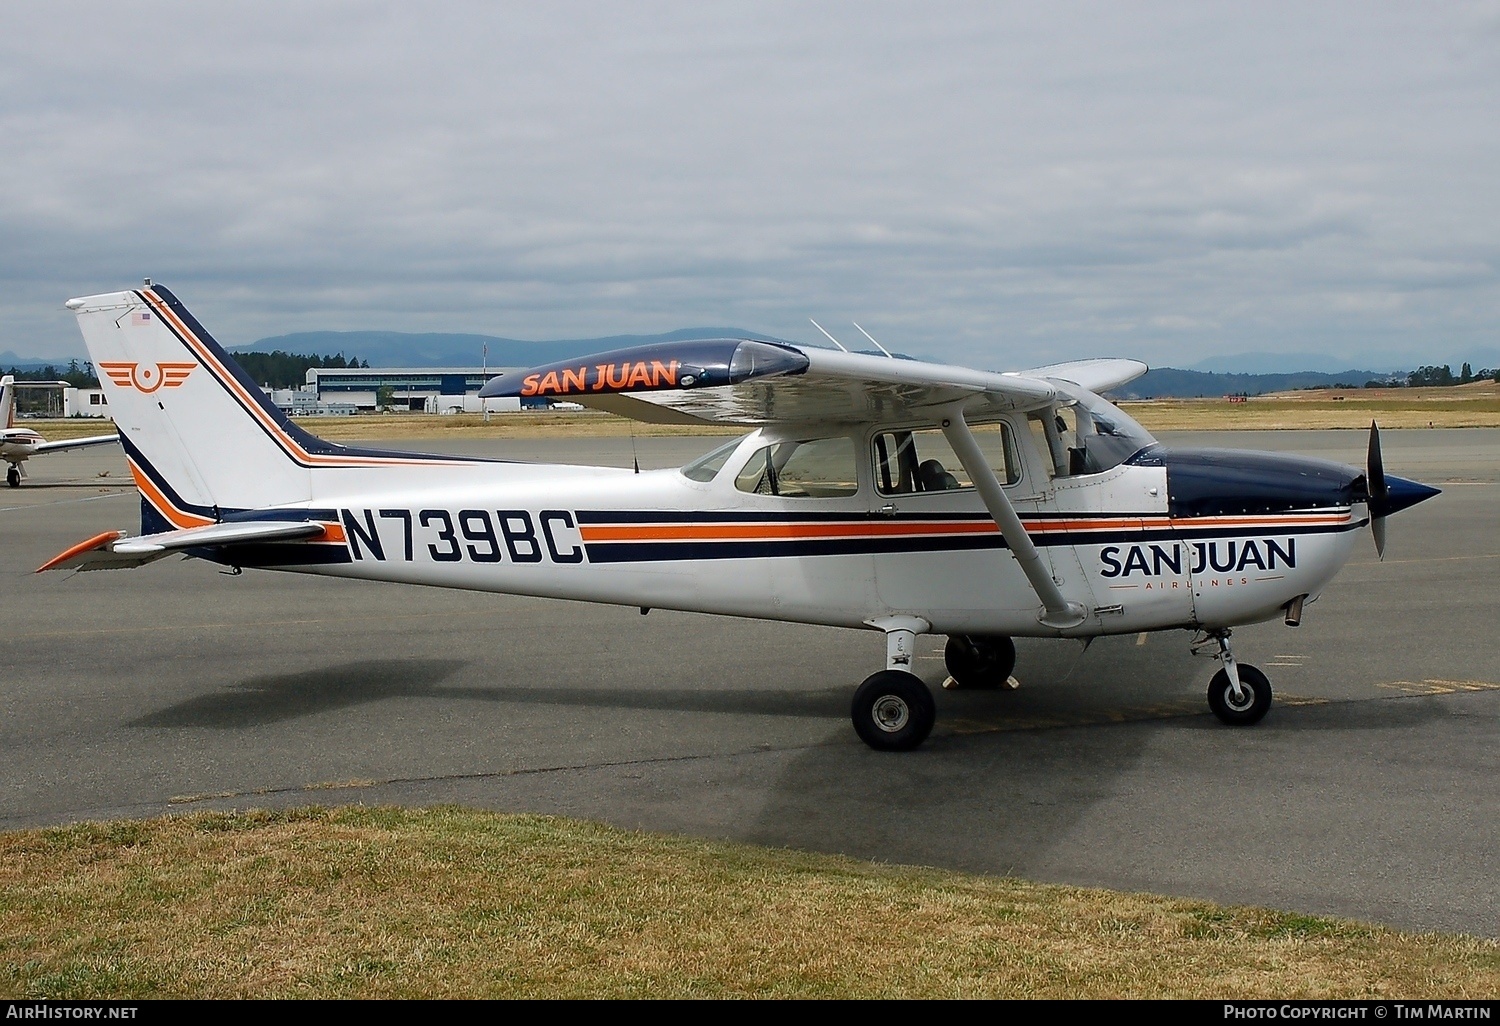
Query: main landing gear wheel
point(893, 711)
point(1256, 697)
point(13, 476)
point(980, 662)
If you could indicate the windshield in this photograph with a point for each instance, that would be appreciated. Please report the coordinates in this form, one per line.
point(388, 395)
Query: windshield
point(706, 468)
point(1103, 435)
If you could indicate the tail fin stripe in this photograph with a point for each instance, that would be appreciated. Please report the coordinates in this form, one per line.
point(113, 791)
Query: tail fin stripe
point(181, 514)
point(303, 448)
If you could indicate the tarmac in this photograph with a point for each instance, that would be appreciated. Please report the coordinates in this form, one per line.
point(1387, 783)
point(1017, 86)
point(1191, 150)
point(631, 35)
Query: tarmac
point(1370, 791)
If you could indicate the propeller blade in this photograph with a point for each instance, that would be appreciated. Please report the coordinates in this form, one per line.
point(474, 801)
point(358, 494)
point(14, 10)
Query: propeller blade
point(1380, 492)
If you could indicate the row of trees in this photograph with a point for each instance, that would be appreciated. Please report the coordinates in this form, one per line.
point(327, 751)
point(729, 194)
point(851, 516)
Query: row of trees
point(1444, 376)
point(1427, 375)
point(289, 370)
point(79, 375)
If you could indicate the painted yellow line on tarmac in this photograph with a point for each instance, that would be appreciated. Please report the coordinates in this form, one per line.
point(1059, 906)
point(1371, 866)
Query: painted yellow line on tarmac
point(1436, 686)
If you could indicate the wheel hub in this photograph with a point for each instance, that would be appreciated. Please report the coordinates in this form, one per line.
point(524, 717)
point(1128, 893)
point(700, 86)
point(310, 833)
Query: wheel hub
point(891, 713)
point(1241, 704)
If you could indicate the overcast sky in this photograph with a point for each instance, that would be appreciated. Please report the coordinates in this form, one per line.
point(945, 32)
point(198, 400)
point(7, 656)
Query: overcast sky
point(996, 184)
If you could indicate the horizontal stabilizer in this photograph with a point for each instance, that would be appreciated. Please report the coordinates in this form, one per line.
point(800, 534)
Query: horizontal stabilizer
point(113, 550)
point(1094, 375)
point(75, 443)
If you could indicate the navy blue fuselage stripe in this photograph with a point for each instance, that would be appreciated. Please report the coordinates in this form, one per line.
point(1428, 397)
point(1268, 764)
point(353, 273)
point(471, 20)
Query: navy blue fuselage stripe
point(648, 551)
point(631, 516)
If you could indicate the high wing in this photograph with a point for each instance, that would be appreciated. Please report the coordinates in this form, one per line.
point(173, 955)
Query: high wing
point(751, 382)
point(114, 550)
point(75, 443)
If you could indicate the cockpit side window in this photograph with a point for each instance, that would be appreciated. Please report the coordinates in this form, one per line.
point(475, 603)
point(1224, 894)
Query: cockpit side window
point(911, 461)
point(818, 468)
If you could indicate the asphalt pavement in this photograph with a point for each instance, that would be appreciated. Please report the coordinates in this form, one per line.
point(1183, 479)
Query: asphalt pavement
point(1370, 791)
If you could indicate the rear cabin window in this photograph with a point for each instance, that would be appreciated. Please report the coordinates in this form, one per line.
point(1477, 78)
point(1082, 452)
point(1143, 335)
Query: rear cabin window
point(821, 468)
point(907, 462)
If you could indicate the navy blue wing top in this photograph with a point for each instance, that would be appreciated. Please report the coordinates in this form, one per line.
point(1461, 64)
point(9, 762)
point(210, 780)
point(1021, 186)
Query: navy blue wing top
point(652, 368)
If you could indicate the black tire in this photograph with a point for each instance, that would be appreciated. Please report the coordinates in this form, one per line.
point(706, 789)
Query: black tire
point(893, 711)
point(13, 476)
point(980, 662)
point(1257, 699)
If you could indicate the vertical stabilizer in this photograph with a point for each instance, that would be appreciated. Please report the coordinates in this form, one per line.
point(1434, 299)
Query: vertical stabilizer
point(202, 439)
point(8, 401)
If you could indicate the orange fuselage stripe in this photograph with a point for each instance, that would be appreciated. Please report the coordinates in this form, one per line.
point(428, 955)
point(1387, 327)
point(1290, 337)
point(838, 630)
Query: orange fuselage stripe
point(717, 532)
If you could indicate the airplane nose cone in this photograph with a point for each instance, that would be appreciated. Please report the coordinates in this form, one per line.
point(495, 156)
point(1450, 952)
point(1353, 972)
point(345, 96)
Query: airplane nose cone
point(1402, 494)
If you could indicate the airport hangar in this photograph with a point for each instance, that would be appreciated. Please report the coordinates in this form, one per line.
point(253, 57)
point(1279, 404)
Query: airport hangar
point(349, 390)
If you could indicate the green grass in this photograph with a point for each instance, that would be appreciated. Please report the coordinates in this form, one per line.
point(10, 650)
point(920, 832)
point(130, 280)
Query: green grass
point(448, 902)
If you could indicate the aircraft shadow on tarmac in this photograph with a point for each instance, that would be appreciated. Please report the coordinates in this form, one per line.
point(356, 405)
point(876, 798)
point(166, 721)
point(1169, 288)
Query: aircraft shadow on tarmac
point(1123, 686)
point(272, 699)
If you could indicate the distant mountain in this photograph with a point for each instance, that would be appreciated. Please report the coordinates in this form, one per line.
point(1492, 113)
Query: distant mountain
point(1274, 363)
point(1169, 382)
point(401, 349)
point(1287, 363)
point(9, 359)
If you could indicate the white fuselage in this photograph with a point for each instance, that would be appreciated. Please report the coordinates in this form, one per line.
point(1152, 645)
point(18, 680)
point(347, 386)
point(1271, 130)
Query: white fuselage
point(659, 539)
point(17, 444)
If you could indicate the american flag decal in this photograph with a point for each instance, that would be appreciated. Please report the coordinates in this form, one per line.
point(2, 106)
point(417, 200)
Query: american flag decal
point(141, 317)
point(147, 378)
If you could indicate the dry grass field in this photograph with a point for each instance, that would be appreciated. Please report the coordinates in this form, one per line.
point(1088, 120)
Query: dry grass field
point(1474, 405)
point(391, 903)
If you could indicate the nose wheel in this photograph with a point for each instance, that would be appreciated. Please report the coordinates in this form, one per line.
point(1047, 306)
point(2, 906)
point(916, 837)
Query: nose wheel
point(13, 476)
point(979, 662)
point(1246, 708)
point(1239, 694)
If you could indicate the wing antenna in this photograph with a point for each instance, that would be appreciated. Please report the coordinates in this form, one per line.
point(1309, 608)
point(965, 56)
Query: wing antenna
point(835, 341)
point(867, 335)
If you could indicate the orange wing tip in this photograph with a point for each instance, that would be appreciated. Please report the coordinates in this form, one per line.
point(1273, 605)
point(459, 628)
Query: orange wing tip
point(98, 541)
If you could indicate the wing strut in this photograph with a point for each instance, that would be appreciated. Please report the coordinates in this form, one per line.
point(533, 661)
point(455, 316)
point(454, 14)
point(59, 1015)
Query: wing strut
point(1060, 613)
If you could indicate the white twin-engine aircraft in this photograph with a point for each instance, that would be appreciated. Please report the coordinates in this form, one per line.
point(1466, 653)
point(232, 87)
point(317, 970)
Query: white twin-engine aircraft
point(906, 497)
point(18, 444)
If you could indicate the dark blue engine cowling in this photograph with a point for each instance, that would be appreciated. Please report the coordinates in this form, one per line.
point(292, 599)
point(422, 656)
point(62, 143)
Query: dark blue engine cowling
point(1229, 482)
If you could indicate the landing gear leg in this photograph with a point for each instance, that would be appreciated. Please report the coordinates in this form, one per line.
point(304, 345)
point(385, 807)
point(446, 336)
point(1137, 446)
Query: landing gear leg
point(893, 710)
point(1239, 695)
point(13, 476)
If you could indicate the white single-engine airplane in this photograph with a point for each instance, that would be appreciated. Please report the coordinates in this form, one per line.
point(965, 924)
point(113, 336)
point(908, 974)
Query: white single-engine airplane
point(18, 444)
point(906, 497)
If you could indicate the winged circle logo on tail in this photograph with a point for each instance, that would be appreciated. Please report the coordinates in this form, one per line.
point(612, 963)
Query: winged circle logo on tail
point(146, 377)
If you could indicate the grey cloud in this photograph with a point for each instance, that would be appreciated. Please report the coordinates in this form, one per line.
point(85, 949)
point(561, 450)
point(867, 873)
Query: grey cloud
point(981, 182)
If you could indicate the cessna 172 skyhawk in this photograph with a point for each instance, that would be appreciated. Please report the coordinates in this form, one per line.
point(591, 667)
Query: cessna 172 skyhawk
point(889, 494)
point(18, 444)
